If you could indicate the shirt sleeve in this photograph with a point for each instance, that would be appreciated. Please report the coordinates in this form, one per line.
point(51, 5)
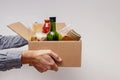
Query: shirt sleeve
point(12, 41)
point(10, 59)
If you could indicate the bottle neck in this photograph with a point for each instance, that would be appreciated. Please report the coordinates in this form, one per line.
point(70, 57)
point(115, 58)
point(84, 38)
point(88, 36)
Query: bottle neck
point(53, 26)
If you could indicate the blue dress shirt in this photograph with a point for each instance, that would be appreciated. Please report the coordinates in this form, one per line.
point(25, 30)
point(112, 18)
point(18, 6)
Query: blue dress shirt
point(10, 59)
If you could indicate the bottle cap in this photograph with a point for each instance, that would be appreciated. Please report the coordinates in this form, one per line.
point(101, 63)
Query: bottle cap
point(47, 20)
point(52, 19)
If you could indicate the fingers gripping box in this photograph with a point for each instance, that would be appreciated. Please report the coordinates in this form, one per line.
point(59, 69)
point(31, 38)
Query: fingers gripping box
point(69, 51)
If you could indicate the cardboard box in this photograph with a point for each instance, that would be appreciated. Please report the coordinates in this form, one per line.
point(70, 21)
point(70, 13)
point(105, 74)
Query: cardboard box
point(69, 51)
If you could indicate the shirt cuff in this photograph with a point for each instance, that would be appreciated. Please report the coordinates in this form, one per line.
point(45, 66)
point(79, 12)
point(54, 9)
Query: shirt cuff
point(13, 59)
point(10, 59)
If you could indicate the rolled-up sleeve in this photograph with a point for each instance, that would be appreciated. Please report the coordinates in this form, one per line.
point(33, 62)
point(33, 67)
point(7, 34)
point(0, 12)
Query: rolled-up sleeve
point(12, 41)
point(10, 59)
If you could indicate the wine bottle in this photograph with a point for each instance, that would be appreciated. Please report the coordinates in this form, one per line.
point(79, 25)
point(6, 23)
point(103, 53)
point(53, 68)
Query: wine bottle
point(53, 35)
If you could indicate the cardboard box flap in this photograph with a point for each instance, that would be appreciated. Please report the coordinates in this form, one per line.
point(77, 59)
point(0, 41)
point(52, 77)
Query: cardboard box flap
point(20, 29)
point(60, 26)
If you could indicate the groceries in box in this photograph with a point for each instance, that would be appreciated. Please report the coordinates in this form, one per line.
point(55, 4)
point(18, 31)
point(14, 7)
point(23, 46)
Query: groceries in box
point(68, 46)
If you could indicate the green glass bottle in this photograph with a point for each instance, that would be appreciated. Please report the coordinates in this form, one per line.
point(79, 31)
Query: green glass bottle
point(53, 35)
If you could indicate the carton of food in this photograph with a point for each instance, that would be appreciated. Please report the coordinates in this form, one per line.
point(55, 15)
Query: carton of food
point(69, 51)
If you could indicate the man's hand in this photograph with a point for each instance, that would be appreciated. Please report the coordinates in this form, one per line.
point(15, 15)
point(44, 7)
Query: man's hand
point(42, 60)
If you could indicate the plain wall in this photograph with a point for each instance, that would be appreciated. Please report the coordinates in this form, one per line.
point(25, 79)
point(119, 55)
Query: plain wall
point(97, 21)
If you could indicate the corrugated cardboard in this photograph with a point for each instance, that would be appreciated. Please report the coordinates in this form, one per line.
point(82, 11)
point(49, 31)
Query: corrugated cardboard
point(69, 51)
point(20, 29)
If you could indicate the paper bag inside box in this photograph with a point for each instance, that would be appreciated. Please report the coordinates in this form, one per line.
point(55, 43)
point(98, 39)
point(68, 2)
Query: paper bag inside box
point(69, 51)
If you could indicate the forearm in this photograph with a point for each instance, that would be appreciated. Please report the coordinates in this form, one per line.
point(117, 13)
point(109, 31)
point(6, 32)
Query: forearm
point(11, 42)
point(10, 59)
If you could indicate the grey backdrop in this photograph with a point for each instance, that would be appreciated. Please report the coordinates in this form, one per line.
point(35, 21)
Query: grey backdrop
point(98, 22)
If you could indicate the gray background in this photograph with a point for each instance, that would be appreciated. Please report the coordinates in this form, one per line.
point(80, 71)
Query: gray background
point(98, 22)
